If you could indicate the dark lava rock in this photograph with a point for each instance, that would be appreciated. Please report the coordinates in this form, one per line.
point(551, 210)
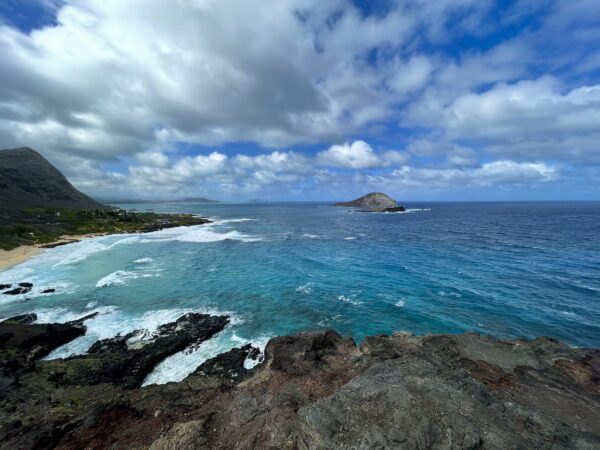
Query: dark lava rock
point(26, 285)
point(395, 209)
point(59, 244)
point(317, 391)
point(5, 286)
point(22, 342)
point(23, 318)
point(127, 360)
point(229, 365)
point(79, 322)
point(18, 291)
point(48, 291)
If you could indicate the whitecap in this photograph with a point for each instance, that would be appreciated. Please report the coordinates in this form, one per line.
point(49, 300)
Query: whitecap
point(143, 260)
point(178, 366)
point(310, 236)
point(260, 343)
point(400, 303)
point(410, 211)
point(350, 238)
point(196, 234)
point(111, 321)
point(305, 288)
point(350, 300)
point(224, 221)
point(121, 277)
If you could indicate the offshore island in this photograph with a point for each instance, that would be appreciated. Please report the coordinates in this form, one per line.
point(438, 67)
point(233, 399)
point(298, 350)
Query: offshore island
point(312, 390)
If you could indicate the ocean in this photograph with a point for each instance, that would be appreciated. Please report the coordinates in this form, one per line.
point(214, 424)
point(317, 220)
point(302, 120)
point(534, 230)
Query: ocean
point(501, 269)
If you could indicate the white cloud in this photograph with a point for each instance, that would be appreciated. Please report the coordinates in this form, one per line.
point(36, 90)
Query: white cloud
point(358, 155)
point(530, 119)
point(137, 80)
point(411, 75)
point(154, 159)
point(501, 172)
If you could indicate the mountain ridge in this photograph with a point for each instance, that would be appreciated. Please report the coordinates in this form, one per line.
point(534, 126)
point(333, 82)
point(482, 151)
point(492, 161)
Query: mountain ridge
point(28, 180)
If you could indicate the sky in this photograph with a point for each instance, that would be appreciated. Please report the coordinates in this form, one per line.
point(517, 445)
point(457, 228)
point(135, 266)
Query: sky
point(309, 100)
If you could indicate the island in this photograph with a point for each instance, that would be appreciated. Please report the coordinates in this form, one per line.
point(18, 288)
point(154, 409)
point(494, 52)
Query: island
point(374, 202)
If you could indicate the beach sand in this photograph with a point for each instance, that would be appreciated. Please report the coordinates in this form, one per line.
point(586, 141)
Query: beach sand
point(10, 258)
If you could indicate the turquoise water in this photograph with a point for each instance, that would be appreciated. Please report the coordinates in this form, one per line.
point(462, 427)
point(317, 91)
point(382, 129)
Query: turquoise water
point(507, 270)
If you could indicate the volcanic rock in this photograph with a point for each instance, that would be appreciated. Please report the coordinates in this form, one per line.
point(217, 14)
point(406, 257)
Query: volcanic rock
point(127, 360)
point(319, 390)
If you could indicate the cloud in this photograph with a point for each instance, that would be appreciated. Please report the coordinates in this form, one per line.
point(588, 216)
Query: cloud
point(534, 119)
point(501, 172)
point(358, 155)
point(131, 96)
point(154, 159)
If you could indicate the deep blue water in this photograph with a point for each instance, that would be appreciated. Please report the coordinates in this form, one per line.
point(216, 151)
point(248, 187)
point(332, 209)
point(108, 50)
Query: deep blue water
point(503, 269)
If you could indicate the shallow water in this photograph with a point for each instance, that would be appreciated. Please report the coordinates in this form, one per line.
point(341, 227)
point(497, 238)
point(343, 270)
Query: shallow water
point(507, 270)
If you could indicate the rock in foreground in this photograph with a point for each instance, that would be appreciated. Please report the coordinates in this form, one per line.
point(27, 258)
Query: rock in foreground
point(319, 390)
point(375, 201)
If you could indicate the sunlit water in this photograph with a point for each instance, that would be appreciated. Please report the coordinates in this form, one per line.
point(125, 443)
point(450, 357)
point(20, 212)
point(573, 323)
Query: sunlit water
point(507, 270)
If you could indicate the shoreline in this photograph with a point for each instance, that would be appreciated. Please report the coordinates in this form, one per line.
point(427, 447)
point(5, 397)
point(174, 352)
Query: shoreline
point(312, 384)
point(21, 254)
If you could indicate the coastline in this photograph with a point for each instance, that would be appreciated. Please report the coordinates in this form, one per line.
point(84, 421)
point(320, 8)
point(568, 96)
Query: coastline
point(320, 388)
point(16, 256)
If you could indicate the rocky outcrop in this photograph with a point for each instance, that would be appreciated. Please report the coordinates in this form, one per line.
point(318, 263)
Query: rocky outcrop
point(319, 390)
point(22, 342)
point(127, 360)
point(375, 201)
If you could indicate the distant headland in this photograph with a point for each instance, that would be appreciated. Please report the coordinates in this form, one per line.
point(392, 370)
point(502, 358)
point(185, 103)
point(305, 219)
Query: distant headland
point(374, 202)
point(39, 207)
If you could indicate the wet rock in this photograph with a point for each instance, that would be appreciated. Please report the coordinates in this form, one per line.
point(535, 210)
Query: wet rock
point(23, 318)
point(395, 209)
point(79, 322)
point(26, 285)
point(228, 365)
point(5, 286)
point(127, 360)
point(17, 291)
point(48, 291)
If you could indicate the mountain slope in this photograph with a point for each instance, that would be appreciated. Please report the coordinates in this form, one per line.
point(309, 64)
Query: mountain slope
point(28, 180)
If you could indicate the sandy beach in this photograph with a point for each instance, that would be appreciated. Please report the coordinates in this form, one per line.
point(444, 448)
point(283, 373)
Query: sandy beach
point(10, 258)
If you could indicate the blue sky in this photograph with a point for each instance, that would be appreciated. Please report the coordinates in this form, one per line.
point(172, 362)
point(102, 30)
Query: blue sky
point(308, 100)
